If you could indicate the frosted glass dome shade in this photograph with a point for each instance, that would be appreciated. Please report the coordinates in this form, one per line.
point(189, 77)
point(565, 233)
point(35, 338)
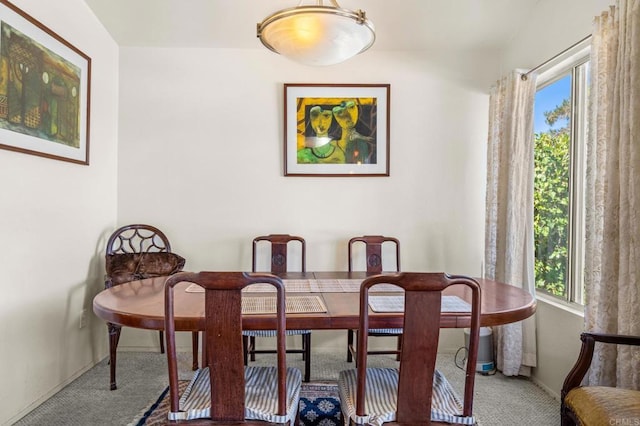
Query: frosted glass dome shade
point(317, 35)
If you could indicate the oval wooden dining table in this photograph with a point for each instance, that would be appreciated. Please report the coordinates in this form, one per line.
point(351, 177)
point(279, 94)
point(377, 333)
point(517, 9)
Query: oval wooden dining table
point(140, 304)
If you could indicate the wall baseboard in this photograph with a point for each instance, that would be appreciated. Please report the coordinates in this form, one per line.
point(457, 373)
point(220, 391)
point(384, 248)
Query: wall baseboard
point(546, 388)
point(29, 408)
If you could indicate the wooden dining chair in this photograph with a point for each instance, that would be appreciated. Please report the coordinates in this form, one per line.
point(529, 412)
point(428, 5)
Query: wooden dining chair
point(597, 405)
point(416, 393)
point(226, 391)
point(279, 247)
point(136, 252)
point(373, 249)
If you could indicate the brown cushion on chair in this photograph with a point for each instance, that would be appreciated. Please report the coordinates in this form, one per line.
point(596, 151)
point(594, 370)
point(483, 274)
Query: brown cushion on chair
point(600, 405)
point(127, 267)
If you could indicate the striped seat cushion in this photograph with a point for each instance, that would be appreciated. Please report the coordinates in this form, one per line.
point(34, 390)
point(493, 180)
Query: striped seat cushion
point(261, 395)
point(381, 398)
point(272, 333)
point(385, 331)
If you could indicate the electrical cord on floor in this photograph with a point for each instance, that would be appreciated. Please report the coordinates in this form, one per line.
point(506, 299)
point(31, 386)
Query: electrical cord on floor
point(461, 360)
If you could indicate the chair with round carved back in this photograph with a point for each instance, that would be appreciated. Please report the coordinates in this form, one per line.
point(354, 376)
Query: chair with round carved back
point(136, 252)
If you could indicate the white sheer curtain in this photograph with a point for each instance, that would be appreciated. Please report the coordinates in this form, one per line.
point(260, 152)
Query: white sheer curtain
point(612, 253)
point(509, 245)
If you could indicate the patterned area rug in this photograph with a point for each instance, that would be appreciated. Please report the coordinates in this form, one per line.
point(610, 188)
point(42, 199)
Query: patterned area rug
point(319, 406)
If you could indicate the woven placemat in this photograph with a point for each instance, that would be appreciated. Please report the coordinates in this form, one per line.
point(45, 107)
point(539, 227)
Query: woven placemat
point(294, 305)
point(396, 304)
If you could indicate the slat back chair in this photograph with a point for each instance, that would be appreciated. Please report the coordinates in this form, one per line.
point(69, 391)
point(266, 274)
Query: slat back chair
point(374, 264)
point(279, 245)
point(121, 267)
point(279, 248)
point(225, 390)
point(373, 244)
point(417, 381)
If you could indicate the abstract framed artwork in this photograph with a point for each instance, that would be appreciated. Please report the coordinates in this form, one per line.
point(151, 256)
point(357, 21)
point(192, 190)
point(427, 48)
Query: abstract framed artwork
point(44, 90)
point(336, 129)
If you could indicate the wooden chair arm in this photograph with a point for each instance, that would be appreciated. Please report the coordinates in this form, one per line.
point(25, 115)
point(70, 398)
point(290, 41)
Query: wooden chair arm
point(618, 339)
point(580, 368)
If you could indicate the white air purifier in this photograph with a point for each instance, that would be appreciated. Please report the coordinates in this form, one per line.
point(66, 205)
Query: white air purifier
point(485, 363)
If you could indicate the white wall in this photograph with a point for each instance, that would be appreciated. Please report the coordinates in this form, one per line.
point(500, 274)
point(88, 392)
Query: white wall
point(201, 142)
point(54, 219)
point(552, 27)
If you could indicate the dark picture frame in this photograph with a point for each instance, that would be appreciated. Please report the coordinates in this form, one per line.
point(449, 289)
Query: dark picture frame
point(336, 129)
point(44, 90)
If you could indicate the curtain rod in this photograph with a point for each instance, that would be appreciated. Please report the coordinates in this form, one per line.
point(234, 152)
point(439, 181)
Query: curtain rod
point(525, 75)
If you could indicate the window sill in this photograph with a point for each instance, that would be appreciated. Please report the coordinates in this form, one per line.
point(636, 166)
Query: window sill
point(570, 307)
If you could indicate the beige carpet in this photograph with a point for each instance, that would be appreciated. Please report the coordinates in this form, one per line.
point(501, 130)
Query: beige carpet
point(141, 379)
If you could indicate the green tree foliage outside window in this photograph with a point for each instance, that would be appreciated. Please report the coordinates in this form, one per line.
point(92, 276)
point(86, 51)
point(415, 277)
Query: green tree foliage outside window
point(551, 202)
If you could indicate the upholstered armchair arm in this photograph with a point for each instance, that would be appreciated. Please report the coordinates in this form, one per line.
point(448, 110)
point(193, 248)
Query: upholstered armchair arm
point(575, 376)
point(617, 339)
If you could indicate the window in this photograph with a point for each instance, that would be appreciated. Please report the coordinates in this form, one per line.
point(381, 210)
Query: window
point(560, 123)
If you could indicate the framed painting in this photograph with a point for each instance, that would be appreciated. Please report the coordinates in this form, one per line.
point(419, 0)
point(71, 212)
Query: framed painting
point(44, 90)
point(336, 129)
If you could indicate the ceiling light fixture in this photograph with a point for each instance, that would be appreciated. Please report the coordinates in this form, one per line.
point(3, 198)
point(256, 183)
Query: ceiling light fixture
point(317, 35)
